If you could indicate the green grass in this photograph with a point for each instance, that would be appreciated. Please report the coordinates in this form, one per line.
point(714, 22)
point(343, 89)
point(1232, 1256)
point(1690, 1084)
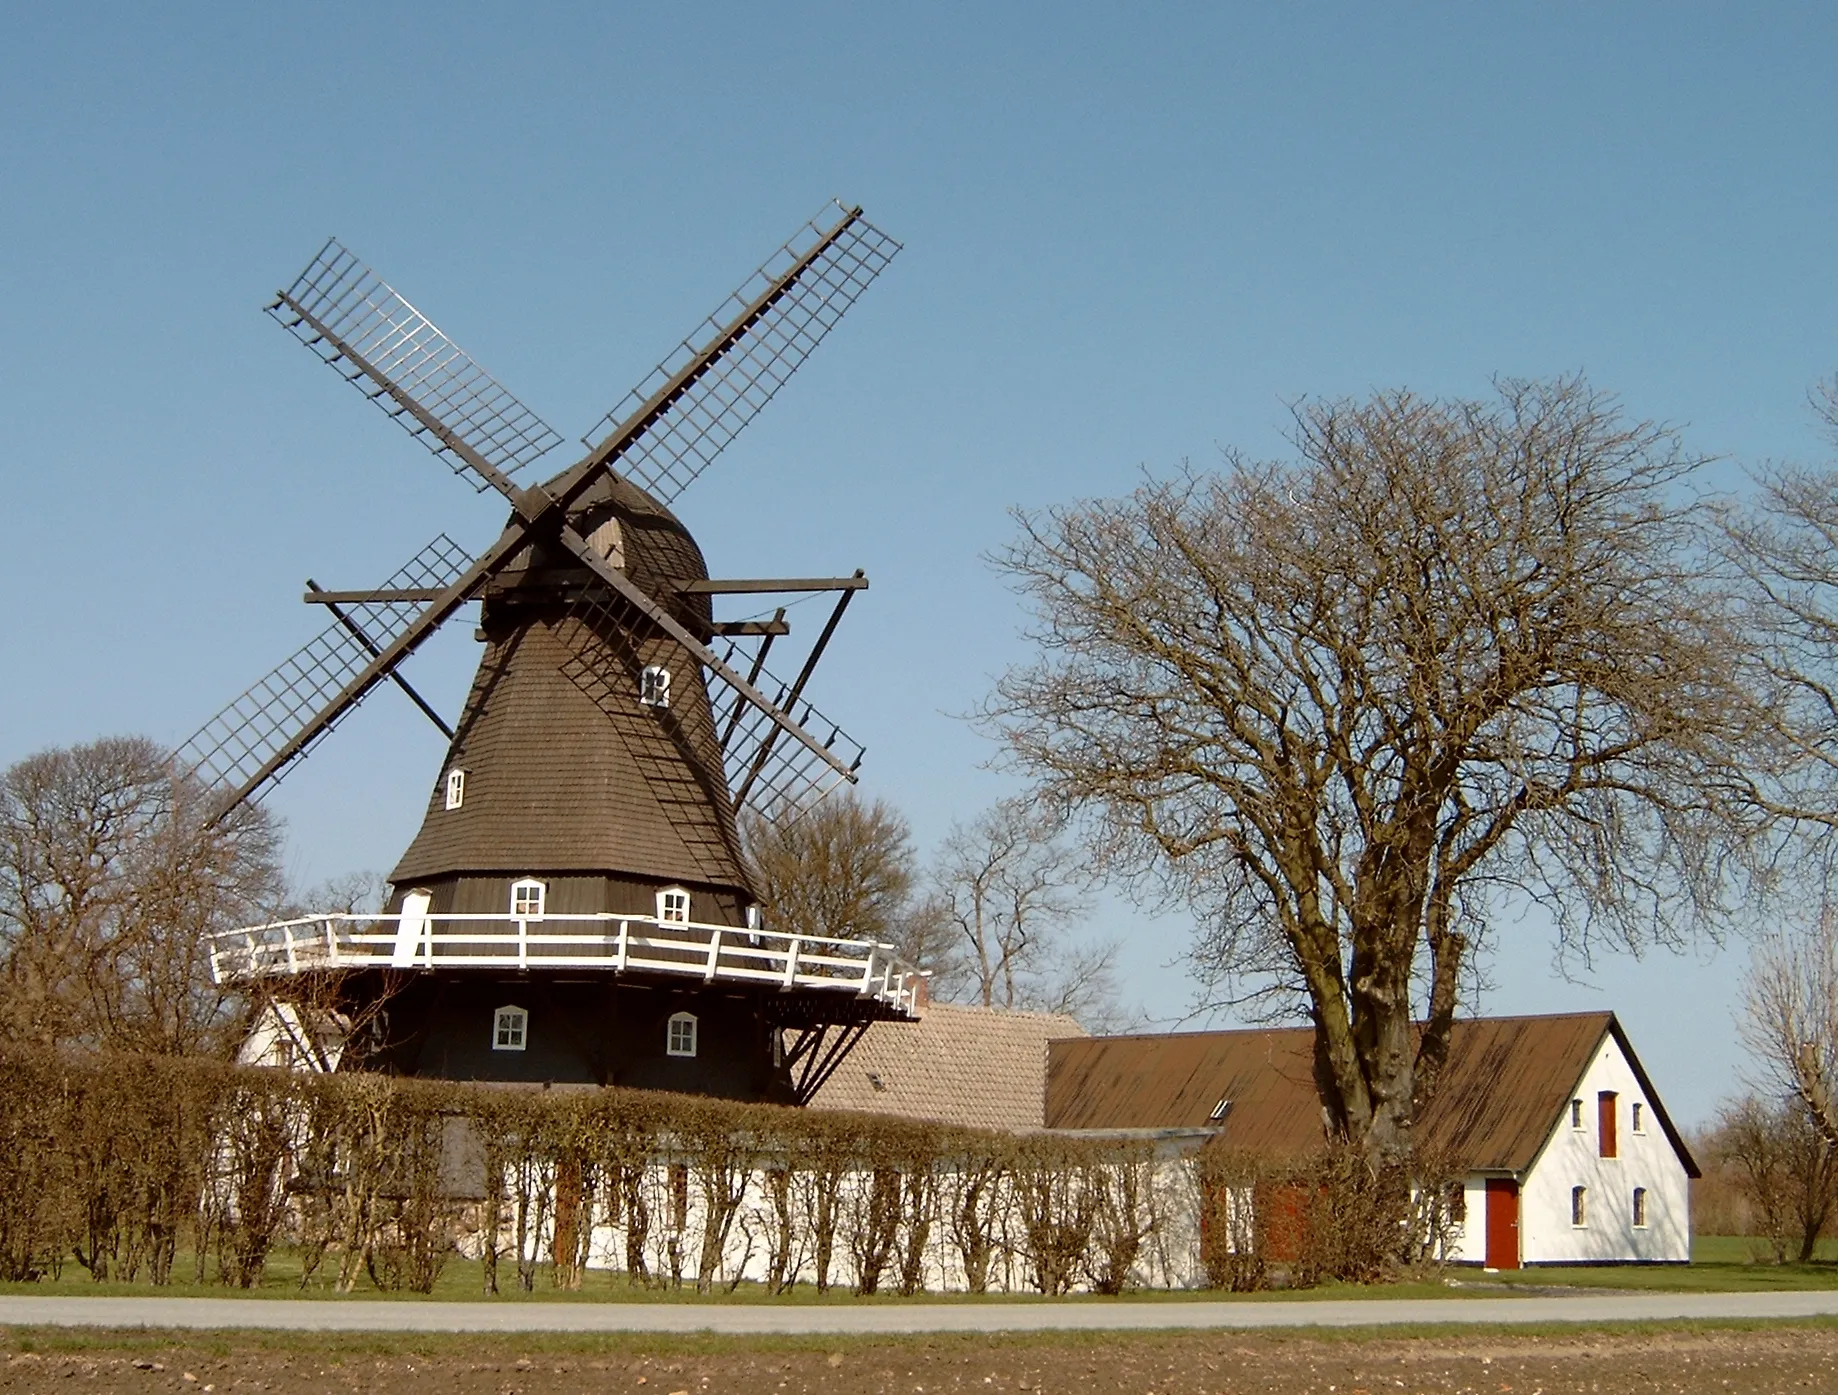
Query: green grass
point(1719, 1264)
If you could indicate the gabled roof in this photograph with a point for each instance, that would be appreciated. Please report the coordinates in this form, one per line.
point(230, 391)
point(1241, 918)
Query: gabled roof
point(1507, 1082)
point(976, 1067)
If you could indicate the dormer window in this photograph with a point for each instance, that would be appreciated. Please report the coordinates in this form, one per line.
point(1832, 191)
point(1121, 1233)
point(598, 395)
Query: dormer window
point(456, 788)
point(681, 1038)
point(527, 897)
point(654, 686)
point(510, 1029)
point(1219, 1111)
point(673, 906)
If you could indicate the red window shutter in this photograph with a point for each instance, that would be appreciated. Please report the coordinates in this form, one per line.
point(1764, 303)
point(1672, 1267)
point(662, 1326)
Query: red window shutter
point(1605, 1122)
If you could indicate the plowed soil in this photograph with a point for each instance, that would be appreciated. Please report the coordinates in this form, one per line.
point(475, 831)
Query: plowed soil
point(1728, 1361)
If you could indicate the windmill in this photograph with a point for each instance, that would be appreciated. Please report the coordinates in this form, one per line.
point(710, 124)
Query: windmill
point(576, 905)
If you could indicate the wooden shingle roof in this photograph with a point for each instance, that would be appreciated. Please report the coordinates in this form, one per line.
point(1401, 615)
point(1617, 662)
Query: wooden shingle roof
point(566, 771)
point(1507, 1082)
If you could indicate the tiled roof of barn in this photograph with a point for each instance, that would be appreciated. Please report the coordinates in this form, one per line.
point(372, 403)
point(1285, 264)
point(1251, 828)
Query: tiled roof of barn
point(565, 770)
point(1507, 1082)
point(977, 1067)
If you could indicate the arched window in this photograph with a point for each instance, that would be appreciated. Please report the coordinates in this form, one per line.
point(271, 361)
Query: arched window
point(510, 1029)
point(456, 788)
point(654, 686)
point(527, 897)
point(673, 906)
point(1640, 1208)
point(1579, 1206)
point(681, 1040)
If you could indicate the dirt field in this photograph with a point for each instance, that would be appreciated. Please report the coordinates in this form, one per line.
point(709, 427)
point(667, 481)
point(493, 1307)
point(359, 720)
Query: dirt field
point(1729, 1361)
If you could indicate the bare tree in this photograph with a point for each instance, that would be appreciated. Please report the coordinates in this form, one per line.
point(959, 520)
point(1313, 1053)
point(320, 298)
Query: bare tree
point(1785, 1168)
point(111, 881)
point(1011, 890)
point(1789, 1016)
point(1457, 650)
point(845, 869)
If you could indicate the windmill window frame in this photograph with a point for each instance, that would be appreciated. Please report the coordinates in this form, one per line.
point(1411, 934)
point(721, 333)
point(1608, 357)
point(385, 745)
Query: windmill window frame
point(529, 897)
point(456, 788)
point(654, 686)
point(673, 906)
point(510, 1028)
point(680, 1034)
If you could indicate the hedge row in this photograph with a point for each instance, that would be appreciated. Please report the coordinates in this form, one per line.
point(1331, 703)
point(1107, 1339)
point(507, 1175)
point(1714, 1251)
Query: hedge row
point(126, 1165)
point(123, 1165)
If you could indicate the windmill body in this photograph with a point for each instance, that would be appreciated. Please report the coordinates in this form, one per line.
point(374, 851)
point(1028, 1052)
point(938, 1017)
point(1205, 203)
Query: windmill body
point(577, 906)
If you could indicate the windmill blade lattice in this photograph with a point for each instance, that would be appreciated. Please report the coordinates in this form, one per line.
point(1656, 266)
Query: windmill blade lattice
point(409, 357)
point(714, 407)
point(230, 748)
point(768, 772)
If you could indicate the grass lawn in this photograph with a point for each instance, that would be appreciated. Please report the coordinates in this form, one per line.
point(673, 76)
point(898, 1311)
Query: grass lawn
point(1719, 1264)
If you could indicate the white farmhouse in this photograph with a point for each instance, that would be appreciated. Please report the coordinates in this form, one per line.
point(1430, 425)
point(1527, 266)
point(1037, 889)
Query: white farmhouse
point(1567, 1152)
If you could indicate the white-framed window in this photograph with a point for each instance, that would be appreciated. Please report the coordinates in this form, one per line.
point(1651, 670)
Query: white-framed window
point(456, 788)
point(673, 906)
point(527, 897)
point(1579, 1207)
point(654, 686)
point(1638, 1117)
point(680, 1039)
point(1576, 1115)
point(1640, 1208)
point(510, 1028)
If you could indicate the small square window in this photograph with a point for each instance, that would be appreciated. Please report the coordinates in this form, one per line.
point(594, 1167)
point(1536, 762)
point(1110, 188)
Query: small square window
point(527, 898)
point(681, 1040)
point(1640, 1208)
point(673, 906)
point(510, 1029)
point(654, 686)
point(456, 788)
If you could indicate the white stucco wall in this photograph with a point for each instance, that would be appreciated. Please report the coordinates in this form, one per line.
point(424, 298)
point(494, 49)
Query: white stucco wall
point(1571, 1158)
point(1468, 1243)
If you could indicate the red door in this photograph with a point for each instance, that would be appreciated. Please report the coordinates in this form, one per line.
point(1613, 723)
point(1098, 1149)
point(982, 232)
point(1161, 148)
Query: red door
point(1502, 1223)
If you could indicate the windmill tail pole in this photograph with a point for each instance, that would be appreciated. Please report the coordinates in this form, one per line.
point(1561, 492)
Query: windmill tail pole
point(797, 690)
point(356, 632)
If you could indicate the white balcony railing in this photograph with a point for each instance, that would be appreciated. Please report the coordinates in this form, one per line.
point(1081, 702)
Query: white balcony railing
point(609, 943)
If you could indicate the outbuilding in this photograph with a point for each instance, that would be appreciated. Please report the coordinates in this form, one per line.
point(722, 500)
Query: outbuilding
point(1567, 1153)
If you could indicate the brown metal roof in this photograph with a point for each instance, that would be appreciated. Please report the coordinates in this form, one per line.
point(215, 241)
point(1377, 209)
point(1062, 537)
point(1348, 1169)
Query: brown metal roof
point(1507, 1082)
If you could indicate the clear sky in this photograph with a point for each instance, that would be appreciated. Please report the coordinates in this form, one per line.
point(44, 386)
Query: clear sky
point(1132, 233)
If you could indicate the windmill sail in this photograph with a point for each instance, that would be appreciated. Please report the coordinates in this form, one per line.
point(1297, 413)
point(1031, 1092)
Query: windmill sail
point(772, 329)
point(776, 777)
point(398, 358)
point(228, 750)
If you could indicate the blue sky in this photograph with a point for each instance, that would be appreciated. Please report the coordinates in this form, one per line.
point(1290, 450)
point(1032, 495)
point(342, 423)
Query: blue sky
point(1132, 234)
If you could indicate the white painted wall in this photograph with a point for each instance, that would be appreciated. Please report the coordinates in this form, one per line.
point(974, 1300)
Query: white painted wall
point(1570, 1158)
